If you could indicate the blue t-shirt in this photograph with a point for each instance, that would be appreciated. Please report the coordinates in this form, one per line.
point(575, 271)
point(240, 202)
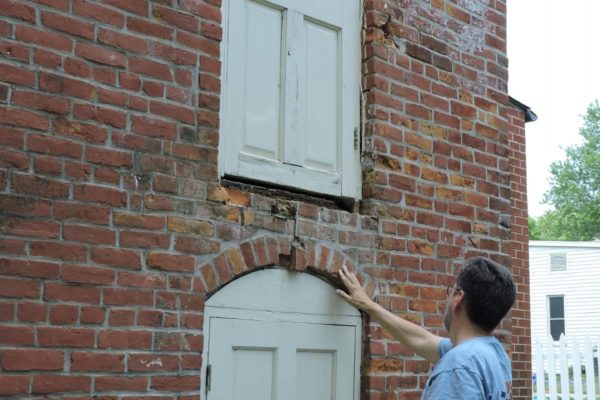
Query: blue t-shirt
point(476, 369)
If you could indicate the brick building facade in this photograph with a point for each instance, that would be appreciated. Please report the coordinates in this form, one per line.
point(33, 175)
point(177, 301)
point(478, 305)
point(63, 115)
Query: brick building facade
point(117, 222)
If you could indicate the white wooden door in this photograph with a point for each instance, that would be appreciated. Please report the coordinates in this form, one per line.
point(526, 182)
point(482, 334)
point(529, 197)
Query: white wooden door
point(258, 360)
point(277, 334)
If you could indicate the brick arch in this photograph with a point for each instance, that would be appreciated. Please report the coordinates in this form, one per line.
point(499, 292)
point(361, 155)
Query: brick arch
point(270, 251)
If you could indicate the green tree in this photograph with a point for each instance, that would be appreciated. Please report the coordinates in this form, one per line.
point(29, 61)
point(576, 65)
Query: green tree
point(575, 188)
point(534, 229)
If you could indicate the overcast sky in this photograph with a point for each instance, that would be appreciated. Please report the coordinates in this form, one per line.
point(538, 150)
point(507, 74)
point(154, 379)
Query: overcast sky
point(554, 56)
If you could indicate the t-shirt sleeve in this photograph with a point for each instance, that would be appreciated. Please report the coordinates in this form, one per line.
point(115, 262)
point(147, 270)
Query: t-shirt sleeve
point(444, 346)
point(457, 383)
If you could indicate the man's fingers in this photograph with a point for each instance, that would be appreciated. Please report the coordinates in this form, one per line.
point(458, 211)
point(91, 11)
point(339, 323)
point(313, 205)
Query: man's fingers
point(343, 295)
point(351, 276)
point(344, 277)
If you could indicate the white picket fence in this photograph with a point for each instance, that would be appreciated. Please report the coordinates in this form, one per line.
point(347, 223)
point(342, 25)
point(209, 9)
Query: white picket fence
point(566, 370)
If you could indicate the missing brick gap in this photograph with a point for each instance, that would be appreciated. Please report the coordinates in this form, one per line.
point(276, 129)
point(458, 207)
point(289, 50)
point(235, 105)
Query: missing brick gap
point(388, 33)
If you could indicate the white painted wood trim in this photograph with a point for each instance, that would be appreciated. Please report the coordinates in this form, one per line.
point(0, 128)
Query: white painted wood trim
point(221, 158)
point(290, 175)
point(351, 94)
point(271, 316)
point(279, 290)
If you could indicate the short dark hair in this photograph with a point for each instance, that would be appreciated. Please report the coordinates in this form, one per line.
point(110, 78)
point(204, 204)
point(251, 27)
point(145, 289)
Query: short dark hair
point(489, 291)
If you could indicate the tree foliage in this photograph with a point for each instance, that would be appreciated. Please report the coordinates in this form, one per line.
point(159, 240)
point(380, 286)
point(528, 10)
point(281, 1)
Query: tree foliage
point(574, 189)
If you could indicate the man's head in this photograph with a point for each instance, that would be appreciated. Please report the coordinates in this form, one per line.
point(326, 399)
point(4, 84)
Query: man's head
point(489, 292)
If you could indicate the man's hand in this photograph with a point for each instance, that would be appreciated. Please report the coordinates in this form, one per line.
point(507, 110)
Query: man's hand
point(356, 294)
point(413, 336)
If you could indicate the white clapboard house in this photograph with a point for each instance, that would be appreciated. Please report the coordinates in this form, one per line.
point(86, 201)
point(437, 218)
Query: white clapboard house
point(565, 301)
point(565, 288)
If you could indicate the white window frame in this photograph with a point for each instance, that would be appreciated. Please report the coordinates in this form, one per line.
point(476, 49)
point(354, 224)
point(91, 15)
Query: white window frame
point(296, 176)
point(564, 317)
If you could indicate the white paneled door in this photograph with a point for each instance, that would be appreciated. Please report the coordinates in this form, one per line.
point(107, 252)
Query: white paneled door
point(280, 335)
point(258, 360)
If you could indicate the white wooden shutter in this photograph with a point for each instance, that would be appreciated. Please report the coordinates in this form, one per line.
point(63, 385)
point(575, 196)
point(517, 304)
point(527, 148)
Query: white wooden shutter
point(291, 93)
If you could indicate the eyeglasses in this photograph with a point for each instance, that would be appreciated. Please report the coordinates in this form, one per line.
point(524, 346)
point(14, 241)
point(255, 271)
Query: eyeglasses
point(451, 289)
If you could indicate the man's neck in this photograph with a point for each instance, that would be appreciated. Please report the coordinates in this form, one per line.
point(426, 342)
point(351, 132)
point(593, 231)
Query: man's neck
point(465, 332)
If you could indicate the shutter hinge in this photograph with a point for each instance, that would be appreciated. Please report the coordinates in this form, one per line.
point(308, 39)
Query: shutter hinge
point(208, 371)
point(356, 138)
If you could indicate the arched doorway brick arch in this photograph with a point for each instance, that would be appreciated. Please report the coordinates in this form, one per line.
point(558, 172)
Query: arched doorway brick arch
point(270, 251)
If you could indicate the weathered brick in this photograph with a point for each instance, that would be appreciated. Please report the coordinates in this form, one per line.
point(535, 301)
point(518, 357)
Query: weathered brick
point(100, 194)
point(43, 38)
point(29, 268)
point(179, 19)
point(171, 262)
point(119, 339)
point(100, 55)
point(120, 317)
point(60, 383)
point(61, 251)
point(86, 234)
point(60, 292)
point(123, 41)
point(176, 383)
point(103, 115)
point(98, 12)
point(116, 257)
point(184, 225)
point(22, 118)
point(121, 383)
point(65, 337)
point(153, 362)
point(11, 8)
point(150, 68)
point(70, 25)
point(14, 384)
point(144, 240)
point(86, 275)
point(150, 28)
point(18, 288)
point(104, 362)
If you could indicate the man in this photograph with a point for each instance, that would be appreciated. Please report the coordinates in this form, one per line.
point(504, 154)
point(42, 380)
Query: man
point(472, 363)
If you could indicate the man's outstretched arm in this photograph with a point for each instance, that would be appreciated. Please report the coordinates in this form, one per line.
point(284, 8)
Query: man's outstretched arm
point(413, 336)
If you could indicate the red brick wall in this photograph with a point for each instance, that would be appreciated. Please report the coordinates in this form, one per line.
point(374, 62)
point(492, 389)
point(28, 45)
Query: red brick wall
point(115, 226)
point(521, 329)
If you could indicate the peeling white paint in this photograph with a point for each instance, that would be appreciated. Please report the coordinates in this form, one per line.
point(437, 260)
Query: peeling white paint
point(157, 362)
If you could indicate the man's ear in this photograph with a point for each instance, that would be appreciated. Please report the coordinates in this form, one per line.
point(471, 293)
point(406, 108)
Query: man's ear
point(459, 300)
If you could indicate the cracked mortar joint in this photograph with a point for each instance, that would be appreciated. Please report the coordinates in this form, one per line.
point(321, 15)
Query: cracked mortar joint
point(381, 288)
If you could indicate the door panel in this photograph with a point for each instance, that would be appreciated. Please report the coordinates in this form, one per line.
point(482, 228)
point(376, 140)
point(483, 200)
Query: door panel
point(316, 380)
point(254, 370)
point(280, 360)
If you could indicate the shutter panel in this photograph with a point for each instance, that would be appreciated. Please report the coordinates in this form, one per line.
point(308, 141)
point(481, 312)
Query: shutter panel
point(253, 82)
point(295, 88)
